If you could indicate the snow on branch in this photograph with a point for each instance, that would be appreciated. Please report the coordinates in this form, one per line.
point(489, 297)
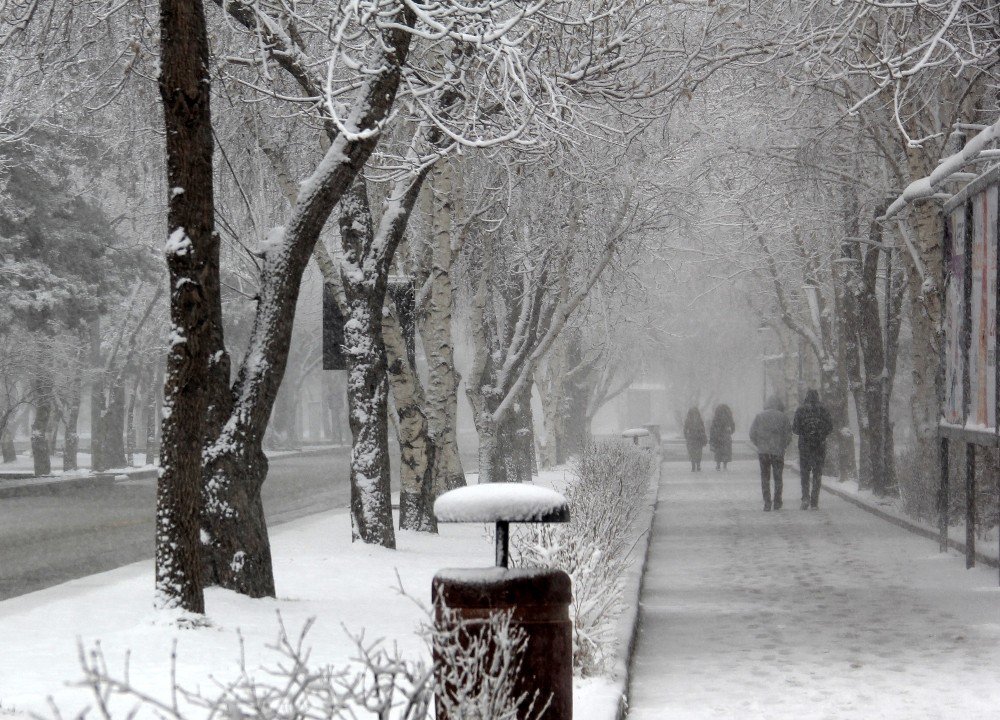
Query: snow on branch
point(929, 186)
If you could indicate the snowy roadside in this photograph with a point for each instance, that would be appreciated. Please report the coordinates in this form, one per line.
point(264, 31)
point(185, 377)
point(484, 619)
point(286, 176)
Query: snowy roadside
point(347, 588)
point(24, 464)
point(889, 508)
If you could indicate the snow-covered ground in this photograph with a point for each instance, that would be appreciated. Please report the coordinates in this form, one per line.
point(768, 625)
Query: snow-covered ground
point(986, 543)
point(319, 574)
point(835, 614)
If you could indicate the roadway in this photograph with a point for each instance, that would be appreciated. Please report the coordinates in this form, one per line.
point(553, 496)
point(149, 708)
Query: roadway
point(49, 539)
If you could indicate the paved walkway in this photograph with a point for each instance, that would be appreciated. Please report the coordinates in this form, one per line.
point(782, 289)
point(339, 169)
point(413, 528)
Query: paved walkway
point(795, 614)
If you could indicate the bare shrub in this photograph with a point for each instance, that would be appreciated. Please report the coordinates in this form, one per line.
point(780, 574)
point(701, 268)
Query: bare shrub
point(594, 547)
point(477, 663)
point(476, 681)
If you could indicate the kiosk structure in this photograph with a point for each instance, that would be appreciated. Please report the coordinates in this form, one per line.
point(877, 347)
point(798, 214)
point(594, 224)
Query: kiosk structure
point(971, 387)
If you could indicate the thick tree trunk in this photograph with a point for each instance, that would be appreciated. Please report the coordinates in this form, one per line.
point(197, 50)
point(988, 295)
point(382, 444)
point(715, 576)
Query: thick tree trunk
point(71, 443)
point(7, 448)
point(500, 457)
point(524, 436)
point(192, 259)
point(236, 550)
point(417, 449)
point(40, 427)
point(553, 417)
point(113, 427)
point(54, 420)
point(436, 336)
point(367, 385)
point(240, 415)
point(130, 426)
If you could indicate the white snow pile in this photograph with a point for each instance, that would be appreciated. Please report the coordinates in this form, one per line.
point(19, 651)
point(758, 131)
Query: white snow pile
point(492, 502)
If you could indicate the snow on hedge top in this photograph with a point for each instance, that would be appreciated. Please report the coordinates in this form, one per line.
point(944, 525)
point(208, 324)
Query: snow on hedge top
point(635, 432)
point(493, 502)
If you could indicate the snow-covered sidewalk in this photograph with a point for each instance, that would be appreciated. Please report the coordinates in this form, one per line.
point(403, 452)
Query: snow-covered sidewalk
point(796, 614)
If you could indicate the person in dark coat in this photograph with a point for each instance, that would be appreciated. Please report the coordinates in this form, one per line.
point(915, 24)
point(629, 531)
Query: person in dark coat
point(770, 433)
point(720, 436)
point(694, 436)
point(812, 424)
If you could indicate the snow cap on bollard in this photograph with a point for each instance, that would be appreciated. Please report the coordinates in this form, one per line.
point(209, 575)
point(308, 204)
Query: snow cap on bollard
point(502, 503)
point(635, 434)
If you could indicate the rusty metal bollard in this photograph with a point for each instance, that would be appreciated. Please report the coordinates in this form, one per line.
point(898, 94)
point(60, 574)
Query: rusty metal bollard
point(537, 598)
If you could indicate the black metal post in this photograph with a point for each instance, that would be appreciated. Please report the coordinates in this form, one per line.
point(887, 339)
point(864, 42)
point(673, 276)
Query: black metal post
point(503, 540)
point(943, 497)
point(970, 505)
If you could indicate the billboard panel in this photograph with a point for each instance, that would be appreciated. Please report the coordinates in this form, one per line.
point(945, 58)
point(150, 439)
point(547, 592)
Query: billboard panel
point(954, 315)
point(982, 350)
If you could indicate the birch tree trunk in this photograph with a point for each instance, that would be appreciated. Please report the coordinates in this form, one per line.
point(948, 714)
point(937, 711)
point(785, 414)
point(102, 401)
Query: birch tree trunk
point(436, 336)
point(417, 449)
point(925, 322)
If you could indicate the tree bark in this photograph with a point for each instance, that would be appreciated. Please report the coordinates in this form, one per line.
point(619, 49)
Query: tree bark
point(71, 444)
point(524, 436)
point(152, 412)
point(7, 447)
point(417, 449)
point(436, 336)
point(112, 428)
point(40, 426)
point(130, 425)
point(551, 390)
point(97, 401)
point(237, 551)
point(192, 252)
point(925, 322)
point(367, 386)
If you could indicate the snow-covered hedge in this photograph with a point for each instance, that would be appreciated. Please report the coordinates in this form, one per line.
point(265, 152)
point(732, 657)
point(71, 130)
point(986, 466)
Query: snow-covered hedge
point(593, 548)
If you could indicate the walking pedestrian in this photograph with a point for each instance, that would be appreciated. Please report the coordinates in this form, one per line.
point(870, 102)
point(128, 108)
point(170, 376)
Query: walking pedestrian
point(694, 436)
point(770, 433)
point(812, 424)
point(720, 436)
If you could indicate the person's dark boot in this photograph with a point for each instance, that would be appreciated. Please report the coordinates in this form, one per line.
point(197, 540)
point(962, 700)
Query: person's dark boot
point(804, 505)
point(777, 504)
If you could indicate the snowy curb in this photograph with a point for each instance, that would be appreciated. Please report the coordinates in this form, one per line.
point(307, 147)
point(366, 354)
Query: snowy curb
point(907, 524)
point(49, 485)
point(628, 623)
